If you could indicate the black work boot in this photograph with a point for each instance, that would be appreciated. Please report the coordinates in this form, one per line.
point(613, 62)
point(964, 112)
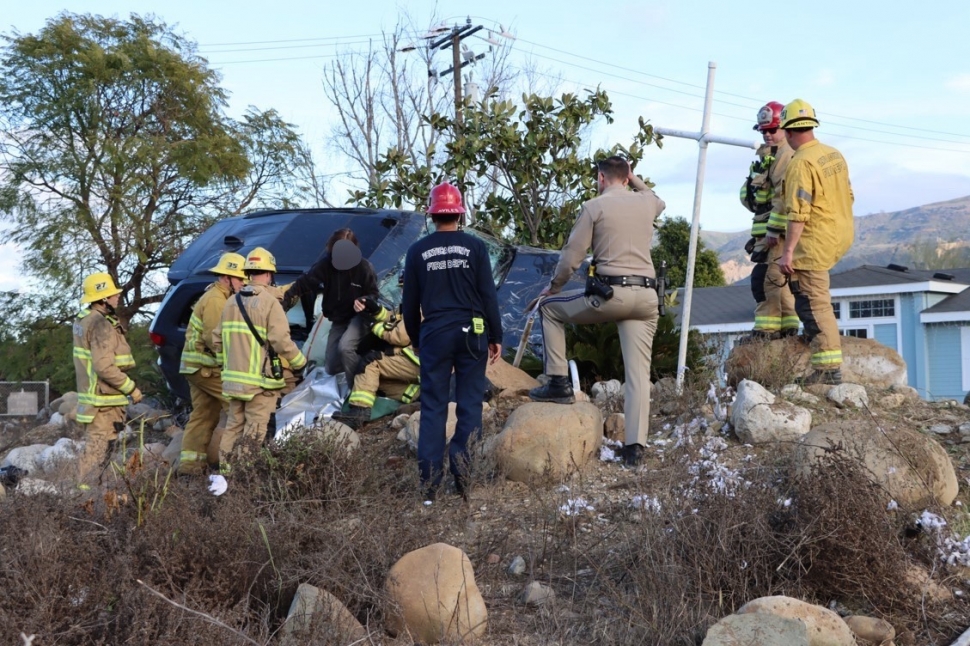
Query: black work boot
point(631, 454)
point(758, 336)
point(826, 377)
point(557, 390)
point(356, 417)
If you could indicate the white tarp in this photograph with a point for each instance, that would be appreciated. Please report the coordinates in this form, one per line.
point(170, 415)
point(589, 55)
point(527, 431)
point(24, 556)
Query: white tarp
point(318, 397)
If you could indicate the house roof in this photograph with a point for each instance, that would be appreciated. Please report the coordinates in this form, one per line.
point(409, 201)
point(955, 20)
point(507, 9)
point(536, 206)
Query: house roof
point(956, 303)
point(874, 276)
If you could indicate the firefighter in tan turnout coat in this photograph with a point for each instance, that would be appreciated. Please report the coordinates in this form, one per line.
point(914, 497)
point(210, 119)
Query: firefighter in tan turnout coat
point(201, 367)
point(101, 358)
point(392, 368)
point(252, 372)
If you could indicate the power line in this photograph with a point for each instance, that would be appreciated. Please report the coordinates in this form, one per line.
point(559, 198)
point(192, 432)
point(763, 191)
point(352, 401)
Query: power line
point(292, 58)
point(288, 40)
point(261, 49)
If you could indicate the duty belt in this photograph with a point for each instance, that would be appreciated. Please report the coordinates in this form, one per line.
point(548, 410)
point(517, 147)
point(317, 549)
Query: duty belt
point(631, 281)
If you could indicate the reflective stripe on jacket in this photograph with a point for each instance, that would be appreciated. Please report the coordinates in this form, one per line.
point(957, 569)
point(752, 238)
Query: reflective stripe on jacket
point(389, 327)
point(101, 357)
point(246, 369)
point(818, 193)
point(197, 352)
point(763, 190)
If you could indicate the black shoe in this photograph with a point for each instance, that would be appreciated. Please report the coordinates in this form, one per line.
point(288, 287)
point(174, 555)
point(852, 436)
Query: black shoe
point(557, 390)
point(631, 454)
point(461, 488)
point(826, 377)
point(789, 332)
point(356, 417)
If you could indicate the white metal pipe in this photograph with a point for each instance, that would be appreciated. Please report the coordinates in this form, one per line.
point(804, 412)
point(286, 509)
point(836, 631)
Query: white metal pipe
point(709, 138)
point(695, 226)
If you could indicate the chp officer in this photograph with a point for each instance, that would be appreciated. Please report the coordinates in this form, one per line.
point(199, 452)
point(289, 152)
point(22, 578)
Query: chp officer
point(450, 310)
point(618, 226)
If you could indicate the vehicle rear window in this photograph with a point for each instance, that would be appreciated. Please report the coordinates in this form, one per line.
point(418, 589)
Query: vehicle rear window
point(305, 238)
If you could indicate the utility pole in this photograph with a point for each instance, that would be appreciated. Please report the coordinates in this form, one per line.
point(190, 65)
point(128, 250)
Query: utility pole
point(453, 40)
point(702, 138)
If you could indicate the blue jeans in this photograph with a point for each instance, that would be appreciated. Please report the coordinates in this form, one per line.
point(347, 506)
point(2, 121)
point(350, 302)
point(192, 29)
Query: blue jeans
point(442, 350)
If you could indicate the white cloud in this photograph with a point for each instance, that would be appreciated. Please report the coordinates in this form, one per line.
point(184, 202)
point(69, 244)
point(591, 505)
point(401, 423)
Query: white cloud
point(11, 278)
point(959, 83)
point(824, 78)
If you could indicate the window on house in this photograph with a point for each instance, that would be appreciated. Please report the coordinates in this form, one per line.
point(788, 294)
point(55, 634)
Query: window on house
point(837, 308)
point(858, 332)
point(872, 309)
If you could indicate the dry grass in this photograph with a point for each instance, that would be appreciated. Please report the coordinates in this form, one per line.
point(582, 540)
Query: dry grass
point(224, 570)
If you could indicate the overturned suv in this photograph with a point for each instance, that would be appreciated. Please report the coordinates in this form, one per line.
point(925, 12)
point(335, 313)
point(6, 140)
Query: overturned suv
point(297, 238)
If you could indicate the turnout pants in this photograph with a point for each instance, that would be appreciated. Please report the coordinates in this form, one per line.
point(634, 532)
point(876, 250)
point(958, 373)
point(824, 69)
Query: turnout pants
point(397, 376)
point(205, 388)
point(443, 349)
point(247, 421)
point(813, 302)
point(775, 309)
point(99, 437)
point(635, 311)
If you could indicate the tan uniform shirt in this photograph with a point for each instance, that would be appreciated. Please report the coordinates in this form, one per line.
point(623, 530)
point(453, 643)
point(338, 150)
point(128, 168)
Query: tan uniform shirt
point(618, 225)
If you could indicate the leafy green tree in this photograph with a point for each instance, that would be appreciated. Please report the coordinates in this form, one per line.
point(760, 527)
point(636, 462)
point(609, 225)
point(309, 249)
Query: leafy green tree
point(116, 151)
point(673, 243)
point(522, 168)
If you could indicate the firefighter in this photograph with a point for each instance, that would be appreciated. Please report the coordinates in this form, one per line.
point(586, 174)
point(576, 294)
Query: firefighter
point(392, 367)
point(101, 359)
point(450, 310)
point(201, 367)
point(252, 336)
point(762, 194)
point(818, 205)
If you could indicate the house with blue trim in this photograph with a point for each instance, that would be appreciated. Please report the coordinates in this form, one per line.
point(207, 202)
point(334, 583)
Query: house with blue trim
point(922, 314)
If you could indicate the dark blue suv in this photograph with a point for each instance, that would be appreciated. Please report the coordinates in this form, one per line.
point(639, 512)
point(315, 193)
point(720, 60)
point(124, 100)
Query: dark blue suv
point(297, 238)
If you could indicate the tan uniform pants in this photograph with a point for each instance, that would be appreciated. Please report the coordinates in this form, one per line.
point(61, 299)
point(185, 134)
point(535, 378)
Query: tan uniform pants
point(98, 436)
point(248, 420)
point(777, 309)
point(391, 374)
point(635, 311)
point(205, 388)
point(813, 302)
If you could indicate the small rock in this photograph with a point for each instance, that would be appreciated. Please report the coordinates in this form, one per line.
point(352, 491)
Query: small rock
point(394, 461)
point(35, 486)
point(603, 391)
point(941, 429)
point(964, 428)
point(892, 400)
point(871, 629)
point(517, 566)
point(848, 395)
point(400, 422)
point(56, 420)
point(163, 424)
point(536, 594)
point(494, 559)
point(615, 426)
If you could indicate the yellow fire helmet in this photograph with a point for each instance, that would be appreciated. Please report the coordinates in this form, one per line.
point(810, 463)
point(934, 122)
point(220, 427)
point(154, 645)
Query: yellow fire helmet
point(230, 264)
point(97, 287)
point(260, 259)
point(798, 114)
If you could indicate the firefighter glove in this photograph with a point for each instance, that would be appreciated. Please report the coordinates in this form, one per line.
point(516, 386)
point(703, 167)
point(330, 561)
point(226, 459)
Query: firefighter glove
point(135, 396)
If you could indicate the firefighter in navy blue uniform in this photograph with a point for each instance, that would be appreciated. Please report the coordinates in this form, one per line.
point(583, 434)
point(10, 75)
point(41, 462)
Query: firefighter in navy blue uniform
point(450, 310)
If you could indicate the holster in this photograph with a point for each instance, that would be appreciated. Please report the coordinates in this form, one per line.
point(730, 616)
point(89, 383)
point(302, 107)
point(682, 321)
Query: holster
point(597, 286)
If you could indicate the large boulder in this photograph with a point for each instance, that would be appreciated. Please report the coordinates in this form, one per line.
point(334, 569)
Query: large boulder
point(65, 451)
point(761, 629)
point(825, 628)
point(910, 466)
point(757, 417)
point(864, 361)
point(64, 404)
point(412, 431)
point(434, 596)
point(27, 458)
point(541, 439)
point(507, 378)
point(316, 608)
point(337, 433)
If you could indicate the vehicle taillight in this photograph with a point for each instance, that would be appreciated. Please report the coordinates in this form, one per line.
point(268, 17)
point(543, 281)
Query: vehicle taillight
point(157, 338)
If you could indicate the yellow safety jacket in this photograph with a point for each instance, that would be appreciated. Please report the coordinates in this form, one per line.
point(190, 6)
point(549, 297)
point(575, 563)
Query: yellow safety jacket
point(101, 358)
point(389, 327)
point(818, 193)
point(246, 369)
point(198, 351)
point(763, 190)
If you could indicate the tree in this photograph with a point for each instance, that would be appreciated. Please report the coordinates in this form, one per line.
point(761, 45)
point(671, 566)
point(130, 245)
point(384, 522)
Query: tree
point(529, 158)
point(673, 243)
point(935, 254)
point(116, 151)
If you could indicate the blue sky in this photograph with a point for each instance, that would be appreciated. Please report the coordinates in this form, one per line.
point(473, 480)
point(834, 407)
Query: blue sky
point(890, 81)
